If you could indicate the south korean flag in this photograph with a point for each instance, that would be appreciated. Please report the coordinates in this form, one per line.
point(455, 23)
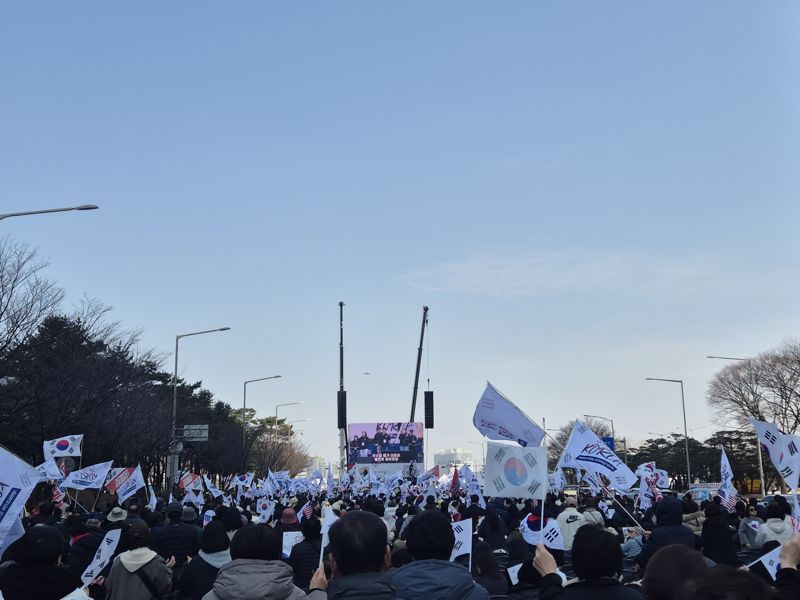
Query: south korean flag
point(462, 531)
point(515, 472)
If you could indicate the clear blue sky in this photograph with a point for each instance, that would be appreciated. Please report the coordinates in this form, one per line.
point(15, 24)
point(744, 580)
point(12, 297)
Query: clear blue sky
point(584, 193)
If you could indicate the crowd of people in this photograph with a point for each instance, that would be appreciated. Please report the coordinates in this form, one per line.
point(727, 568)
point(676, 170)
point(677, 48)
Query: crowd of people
point(390, 547)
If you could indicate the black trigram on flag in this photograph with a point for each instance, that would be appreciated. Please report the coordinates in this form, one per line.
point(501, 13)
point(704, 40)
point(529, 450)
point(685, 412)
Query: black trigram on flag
point(786, 471)
point(109, 541)
point(533, 487)
point(551, 535)
point(89, 573)
point(458, 529)
point(98, 553)
point(530, 460)
point(457, 545)
point(770, 437)
point(498, 483)
point(498, 456)
point(792, 448)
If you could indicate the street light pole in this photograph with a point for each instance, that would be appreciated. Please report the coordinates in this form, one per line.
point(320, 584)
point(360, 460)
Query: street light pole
point(244, 421)
point(48, 210)
point(685, 429)
point(172, 467)
point(758, 442)
point(277, 406)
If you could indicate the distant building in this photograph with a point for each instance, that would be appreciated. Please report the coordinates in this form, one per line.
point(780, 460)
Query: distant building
point(453, 456)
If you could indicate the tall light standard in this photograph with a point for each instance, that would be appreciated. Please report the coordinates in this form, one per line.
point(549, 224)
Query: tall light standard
point(244, 421)
point(277, 406)
point(758, 442)
point(48, 210)
point(685, 430)
point(612, 426)
point(173, 466)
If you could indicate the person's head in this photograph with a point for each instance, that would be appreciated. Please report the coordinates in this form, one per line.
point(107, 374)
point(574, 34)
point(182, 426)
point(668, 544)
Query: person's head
point(357, 544)
point(133, 509)
point(473, 498)
point(571, 501)
point(775, 511)
point(429, 535)
point(139, 536)
point(752, 511)
point(669, 511)
point(260, 542)
point(715, 511)
point(232, 519)
point(41, 544)
point(591, 502)
point(311, 528)
point(596, 553)
point(188, 515)
point(726, 583)
point(46, 509)
point(492, 518)
point(214, 538)
point(288, 517)
point(668, 570)
point(75, 525)
point(174, 511)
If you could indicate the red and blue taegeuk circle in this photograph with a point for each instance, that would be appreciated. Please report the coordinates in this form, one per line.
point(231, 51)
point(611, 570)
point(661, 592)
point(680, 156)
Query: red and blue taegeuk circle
point(515, 471)
point(62, 444)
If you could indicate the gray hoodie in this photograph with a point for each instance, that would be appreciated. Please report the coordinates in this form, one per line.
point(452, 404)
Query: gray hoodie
point(251, 579)
point(123, 583)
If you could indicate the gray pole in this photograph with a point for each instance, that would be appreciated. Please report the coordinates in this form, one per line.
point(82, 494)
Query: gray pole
point(172, 466)
point(686, 438)
point(244, 429)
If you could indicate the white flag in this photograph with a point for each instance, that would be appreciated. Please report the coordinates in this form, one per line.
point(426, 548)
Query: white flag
point(290, 538)
point(556, 481)
point(498, 418)
point(514, 472)
point(151, 498)
point(245, 480)
point(771, 561)
point(588, 451)
point(330, 519)
point(91, 477)
point(131, 485)
point(726, 491)
point(69, 445)
point(770, 438)
point(18, 481)
point(265, 509)
point(49, 470)
point(195, 498)
point(329, 481)
point(462, 530)
point(211, 488)
point(102, 556)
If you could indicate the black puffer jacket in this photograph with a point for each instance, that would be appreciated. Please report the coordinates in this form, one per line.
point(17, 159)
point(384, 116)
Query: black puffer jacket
point(363, 586)
point(304, 560)
point(718, 540)
point(39, 582)
point(670, 530)
point(177, 539)
point(81, 551)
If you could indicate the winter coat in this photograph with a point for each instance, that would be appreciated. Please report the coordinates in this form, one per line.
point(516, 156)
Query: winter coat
point(779, 530)
point(747, 535)
point(177, 539)
point(42, 582)
point(495, 587)
point(598, 589)
point(718, 541)
point(124, 583)
point(592, 516)
point(526, 591)
point(197, 577)
point(251, 579)
point(496, 538)
point(670, 530)
point(436, 580)
point(304, 560)
point(81, 551)
point(474, 512)
point(569, 521)
point(362, 586)
point(695, 521)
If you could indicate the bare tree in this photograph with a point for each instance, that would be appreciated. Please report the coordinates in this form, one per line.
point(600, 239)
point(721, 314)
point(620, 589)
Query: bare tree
point(26, 298)
point(766, 387)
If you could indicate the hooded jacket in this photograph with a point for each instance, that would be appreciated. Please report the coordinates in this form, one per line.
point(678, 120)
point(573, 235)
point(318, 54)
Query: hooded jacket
point(669, 530)
point(251, 579)
point(779, 530)
point(124, 583)
point(747, 535)
point(362, 586)
point(436, 580)
point(718, 541)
